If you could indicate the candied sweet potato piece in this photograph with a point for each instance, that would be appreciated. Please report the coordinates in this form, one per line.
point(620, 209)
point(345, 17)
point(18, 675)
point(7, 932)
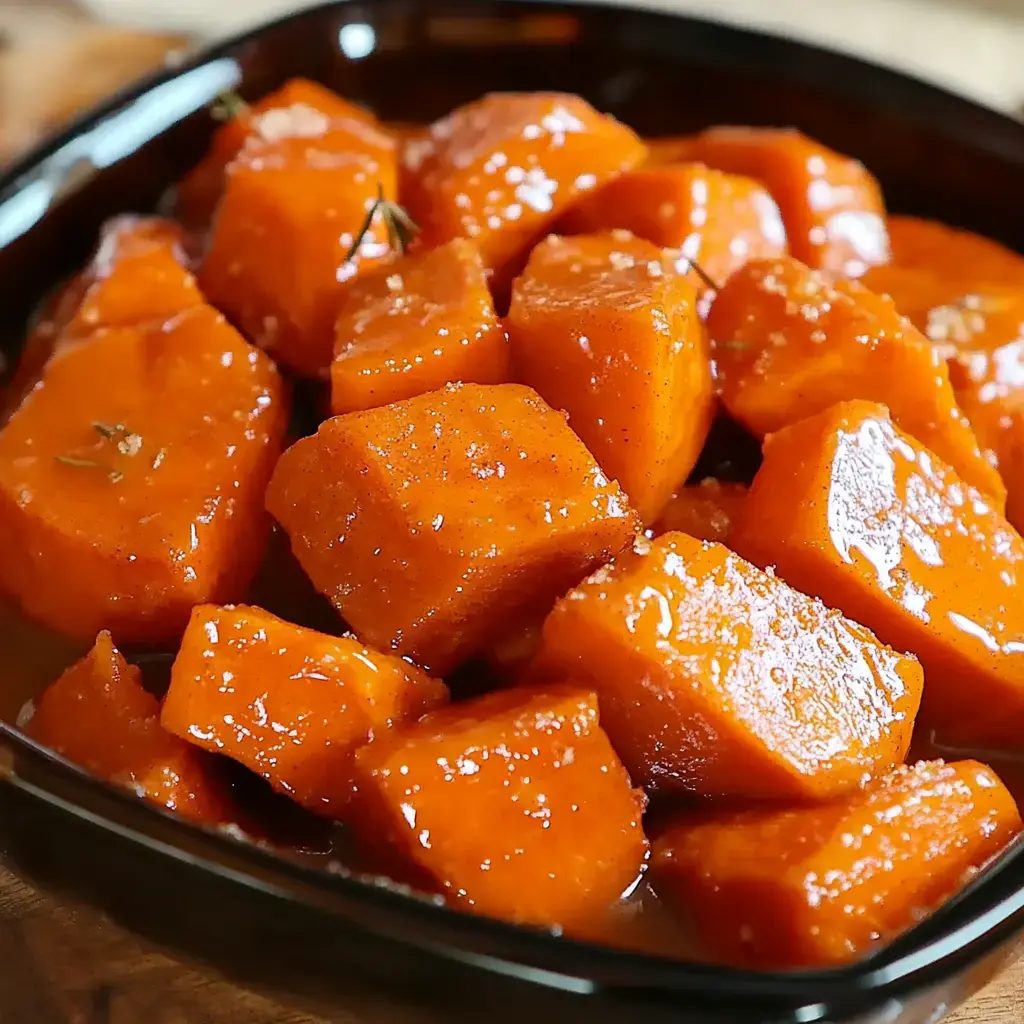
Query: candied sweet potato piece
point(602, 326)
point(430, 523)
point(978, 329)
point(291, 704)
point(512, 805)
point(705, 510)
point(299, 109)
point(278, 261)
point(788, 343)
point(414, 325)
point(831, 204)
point(953, 253)
point(98, 715)
point(721, 220)
point(139, 273)
point(717, 678)
point(818, 886)
point(1011, 461)
point(134, 474)
point(670, 149)
point(501, 169)
point(848, 507)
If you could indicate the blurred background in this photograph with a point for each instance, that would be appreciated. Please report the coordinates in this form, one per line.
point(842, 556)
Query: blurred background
point(58, 57)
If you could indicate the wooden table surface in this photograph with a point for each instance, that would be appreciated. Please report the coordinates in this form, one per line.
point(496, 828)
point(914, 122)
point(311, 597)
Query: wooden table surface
point(68, 965)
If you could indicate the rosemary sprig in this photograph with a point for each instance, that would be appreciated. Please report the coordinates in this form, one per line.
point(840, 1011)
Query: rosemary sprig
point(401, 228)
point(703, 274)
point(127, 442)
point(227, 106)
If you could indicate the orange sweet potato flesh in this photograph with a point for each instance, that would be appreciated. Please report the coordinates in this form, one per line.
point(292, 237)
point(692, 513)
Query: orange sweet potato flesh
point(414, 325)
point(953, 253)
point(788, 343)
point(719, 679)
point(1012, 464)
point(705, 510)
point(134, 474)
point(501, 169)
point(299, 109)
point(432, 523)
point(721, 220)
point(978, 329)
point(138, 274)
point(820, 886)
point(831, 204)
point(603, 327)
point(98, 715)
point(848, 507)
point(277, 261)
point(289, 703)
point(512, 805)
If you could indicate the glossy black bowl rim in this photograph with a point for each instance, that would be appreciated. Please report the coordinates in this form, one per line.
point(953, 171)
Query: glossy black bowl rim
point(957, 935)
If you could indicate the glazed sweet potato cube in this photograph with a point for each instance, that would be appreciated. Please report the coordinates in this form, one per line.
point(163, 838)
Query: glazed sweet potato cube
point(414, 325)
point(819, 886)
point(277, 261)
point(291, 704)
point(1011, 462)
point(501, 169)
point(705, 510)
point(721, 220)
point(299, 109)
point(98, 715)
point(977, 328)
point(851, 508)
point(953, 253)
point(431, 523)
point(134, 475)
point(719, 679)
point(603, 327)
point(138, 274)
point(512, 805)
point(670, 149)
point(831, 204)
point(789, 343)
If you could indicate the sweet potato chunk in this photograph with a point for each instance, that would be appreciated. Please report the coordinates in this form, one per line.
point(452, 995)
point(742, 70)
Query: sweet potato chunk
point(291, 704)
point(822, 885)
point(978, 329)
point(851, 508)
point(278, 257)
point(719, 679)
point(414, 325)
point(787, 343)
point(430, 523)
point(132, 478)
point(99, 716)
point(512, 805)
point(1011, 461)
point(299, 109)
point(720, 220)
point(138, 274)
point(501, 169)
point(705, 510)
point(953, 253)
point(603, 327)
point(831, 204)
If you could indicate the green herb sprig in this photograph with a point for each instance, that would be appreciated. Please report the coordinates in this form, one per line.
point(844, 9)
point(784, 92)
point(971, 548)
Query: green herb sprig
point(400, 227)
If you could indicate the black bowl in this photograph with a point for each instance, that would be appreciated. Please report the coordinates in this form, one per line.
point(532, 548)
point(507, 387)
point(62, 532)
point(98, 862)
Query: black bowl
point(349, 941)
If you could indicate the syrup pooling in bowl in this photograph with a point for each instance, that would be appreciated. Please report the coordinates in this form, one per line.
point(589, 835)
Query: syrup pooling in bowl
point(461, 664)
